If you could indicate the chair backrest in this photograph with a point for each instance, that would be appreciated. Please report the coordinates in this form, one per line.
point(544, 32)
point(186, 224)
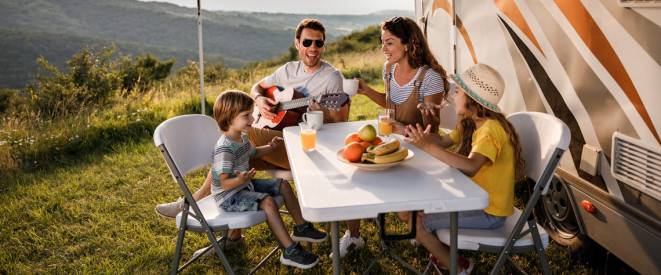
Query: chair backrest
point(189, 140)
point(448, 114)
point(543, 138)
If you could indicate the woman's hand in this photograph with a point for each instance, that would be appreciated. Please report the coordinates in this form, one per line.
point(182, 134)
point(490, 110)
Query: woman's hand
point(418, 136)
point(362, 86)
point(245, 176)
point(275, 142)
point(427, 108)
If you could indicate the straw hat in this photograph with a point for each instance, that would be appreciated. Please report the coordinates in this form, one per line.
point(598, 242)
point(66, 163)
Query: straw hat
point(483, 84)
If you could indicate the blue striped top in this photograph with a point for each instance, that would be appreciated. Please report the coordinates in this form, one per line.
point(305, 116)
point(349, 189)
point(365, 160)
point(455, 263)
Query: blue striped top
point(431, 84)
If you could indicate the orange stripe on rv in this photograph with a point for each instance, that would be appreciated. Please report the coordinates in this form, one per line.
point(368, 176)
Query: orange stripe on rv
point(442, 4)
point(509, 8)
point(447, 7)
point(467, 39)
point(594, 38)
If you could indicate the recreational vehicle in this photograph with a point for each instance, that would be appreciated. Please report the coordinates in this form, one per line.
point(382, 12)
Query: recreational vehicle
point(595, 64)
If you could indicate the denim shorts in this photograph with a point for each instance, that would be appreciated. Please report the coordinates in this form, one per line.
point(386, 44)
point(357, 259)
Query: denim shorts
point(475, 219)
point(246, 200)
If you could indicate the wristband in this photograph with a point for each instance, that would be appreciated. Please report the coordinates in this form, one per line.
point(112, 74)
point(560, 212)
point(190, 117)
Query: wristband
point(257, 96)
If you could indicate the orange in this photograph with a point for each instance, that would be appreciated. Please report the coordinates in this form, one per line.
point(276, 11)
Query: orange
point(365, 144)
point(376, 141)
point(353, 152)
point(353, 137)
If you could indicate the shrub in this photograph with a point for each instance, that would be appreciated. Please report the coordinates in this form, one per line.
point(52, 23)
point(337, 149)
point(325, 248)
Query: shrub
point(7, 98)
point(89, 79)
point(214, 73)
point(146, 70)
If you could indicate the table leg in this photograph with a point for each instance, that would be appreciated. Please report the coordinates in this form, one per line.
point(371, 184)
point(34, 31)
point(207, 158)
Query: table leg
point(335, 246)
point(453, 242)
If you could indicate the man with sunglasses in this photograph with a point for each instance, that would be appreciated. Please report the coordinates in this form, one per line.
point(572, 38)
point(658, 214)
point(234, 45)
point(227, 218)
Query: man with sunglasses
point(310, 76)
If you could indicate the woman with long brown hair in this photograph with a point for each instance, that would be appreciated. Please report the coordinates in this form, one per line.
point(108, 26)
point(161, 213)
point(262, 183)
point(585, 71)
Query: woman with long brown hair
point(411, 74)
point(412, 78)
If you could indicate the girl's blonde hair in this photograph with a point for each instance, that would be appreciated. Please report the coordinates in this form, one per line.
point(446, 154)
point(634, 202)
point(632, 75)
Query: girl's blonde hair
point(228, 105)
point(467, 127)
point(418, 51)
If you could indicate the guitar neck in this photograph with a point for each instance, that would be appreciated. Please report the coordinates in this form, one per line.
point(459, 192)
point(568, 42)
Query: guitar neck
point(296, 103)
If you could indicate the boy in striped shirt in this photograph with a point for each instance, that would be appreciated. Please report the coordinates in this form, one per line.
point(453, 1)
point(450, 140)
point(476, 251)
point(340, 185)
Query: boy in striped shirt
point(234, 188)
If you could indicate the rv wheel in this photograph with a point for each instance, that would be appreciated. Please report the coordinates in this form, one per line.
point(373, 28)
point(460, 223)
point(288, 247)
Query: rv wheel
point(555, 213)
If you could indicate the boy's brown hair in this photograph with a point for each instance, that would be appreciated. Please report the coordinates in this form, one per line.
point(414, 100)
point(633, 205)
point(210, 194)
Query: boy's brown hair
point(228, 105)
point(310, 24)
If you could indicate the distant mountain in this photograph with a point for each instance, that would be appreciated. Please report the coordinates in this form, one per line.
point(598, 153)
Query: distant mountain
point(57, 29)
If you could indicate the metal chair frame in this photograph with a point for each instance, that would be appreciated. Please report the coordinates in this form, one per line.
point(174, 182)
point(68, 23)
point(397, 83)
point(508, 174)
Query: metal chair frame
point(535, 130)
point(200, 134)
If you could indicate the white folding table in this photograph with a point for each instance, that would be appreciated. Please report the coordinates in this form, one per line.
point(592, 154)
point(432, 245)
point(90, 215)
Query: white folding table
point(330, 190)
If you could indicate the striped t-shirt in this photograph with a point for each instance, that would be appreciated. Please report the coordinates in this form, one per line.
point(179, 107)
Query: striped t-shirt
point(228, 156)
point(431, 84)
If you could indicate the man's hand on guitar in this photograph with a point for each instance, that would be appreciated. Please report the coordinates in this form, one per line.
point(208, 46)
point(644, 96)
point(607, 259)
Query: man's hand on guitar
point(266, 107)
point(315, 106)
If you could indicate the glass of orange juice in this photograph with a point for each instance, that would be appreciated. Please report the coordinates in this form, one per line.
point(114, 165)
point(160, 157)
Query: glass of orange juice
point(385, 116)
point(308, 136)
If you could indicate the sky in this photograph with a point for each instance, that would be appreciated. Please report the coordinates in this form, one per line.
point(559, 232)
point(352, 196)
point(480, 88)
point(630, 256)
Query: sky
point(299, 6)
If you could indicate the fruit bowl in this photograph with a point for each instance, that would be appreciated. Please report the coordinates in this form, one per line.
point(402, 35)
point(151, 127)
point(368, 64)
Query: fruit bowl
point(372, 166)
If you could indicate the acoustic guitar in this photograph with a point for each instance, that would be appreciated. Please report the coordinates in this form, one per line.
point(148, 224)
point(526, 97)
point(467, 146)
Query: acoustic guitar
point(292, 105)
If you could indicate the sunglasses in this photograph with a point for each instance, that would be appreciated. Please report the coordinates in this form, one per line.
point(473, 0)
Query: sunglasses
point(398, 19)
point(308, 43)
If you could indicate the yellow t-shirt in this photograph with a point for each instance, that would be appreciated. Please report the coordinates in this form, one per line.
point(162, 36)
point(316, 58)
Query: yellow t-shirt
point(497, 176)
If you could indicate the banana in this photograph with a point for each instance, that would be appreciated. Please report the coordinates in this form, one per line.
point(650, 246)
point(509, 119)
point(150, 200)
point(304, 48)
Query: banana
point(387, 158)
point(387, 148)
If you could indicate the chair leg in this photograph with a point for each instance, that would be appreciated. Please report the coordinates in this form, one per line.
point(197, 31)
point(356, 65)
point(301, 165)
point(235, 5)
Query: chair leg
point(429, 267)
point(265, 259)
point(219, 250)
point(543, 261)
point(177, 251)
point(180, 240)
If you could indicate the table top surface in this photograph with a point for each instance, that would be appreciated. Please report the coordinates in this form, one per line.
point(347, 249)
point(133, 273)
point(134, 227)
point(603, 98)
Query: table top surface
point(331, 190)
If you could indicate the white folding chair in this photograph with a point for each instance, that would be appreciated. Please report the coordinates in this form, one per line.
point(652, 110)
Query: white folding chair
point(186, 143)
point(448, 114)
point(544, 138)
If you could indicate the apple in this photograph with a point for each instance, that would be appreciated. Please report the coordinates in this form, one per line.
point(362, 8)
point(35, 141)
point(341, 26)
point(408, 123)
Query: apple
point(367, 133)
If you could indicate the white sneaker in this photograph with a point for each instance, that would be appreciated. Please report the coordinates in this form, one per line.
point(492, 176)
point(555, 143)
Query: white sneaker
point(170, 210)
point(348, 244)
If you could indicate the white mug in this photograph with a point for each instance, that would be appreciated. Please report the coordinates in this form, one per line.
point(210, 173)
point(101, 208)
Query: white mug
point(350, 86)
point(314, 117)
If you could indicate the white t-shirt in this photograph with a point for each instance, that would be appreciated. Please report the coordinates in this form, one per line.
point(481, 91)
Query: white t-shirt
point(431, 84)
point(325, 79)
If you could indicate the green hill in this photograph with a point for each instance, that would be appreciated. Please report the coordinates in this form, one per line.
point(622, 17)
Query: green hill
point(20, 49)
point(56, 29)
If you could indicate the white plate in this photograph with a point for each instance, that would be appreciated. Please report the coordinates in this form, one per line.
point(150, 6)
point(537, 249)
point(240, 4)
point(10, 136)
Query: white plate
point(373, 166)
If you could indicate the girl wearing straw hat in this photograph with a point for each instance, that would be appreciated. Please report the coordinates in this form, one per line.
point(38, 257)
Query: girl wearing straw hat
point(488, 151)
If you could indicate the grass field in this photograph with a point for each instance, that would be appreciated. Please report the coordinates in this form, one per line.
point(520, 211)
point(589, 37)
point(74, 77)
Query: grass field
point(90, 207)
